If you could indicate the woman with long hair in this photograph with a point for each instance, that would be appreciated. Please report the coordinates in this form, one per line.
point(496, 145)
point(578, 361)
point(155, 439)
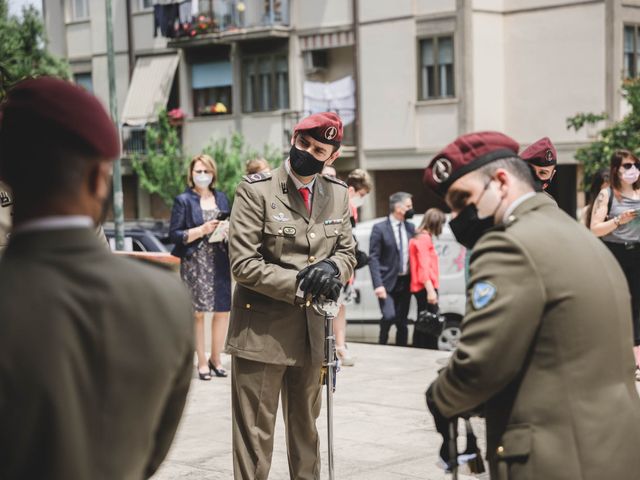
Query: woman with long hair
point(204, 266)
point(615, 220)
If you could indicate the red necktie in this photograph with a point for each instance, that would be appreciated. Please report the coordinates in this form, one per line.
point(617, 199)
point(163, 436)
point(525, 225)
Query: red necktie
point(304, 191)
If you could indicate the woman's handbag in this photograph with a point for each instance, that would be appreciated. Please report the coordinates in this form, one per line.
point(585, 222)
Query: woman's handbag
point(429, 322)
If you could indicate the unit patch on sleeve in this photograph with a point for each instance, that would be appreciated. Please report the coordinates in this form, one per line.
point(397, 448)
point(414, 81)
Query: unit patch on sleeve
point(483, 294)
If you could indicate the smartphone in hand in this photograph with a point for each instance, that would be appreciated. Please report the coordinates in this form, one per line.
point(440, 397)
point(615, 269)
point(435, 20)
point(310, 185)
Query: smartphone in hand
point(222, 215)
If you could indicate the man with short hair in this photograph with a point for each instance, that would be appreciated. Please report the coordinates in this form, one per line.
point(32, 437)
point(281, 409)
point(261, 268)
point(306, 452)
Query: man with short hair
point(290, 244)
point(553, 380)
point(96, 351)
point(389, 266)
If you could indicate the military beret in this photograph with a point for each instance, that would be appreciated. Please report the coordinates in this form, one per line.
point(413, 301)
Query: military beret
point(55, 112)
point(466, 154)
point(541, 153)
point(325, 127)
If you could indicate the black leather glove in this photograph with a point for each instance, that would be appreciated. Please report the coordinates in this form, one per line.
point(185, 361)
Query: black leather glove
point(320, 279)
point(362, 259)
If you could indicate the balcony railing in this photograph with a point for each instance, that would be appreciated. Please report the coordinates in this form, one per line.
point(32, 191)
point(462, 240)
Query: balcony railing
point(227, 16)
point(134, 141)
point(290, 119)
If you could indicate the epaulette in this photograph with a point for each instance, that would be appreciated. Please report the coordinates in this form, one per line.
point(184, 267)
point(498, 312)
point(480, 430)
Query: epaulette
point(257, 177)
point(335, 180)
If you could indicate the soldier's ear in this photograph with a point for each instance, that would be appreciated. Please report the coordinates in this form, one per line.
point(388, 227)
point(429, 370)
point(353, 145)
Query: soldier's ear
point(100, 179)
point(334, 156)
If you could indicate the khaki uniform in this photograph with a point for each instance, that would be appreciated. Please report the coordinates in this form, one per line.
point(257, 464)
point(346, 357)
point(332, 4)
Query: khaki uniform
point(546, 346)
point(96, 358)
point(6, 209)
point(277, 344)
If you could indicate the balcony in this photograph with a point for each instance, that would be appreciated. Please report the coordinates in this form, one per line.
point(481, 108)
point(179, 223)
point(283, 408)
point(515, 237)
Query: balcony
point(134, 141)
point(290, 119)
point(225, 21)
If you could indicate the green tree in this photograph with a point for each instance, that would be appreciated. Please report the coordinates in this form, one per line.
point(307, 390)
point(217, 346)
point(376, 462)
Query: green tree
point(624, 134)
point(23, 48)
point(162, 170)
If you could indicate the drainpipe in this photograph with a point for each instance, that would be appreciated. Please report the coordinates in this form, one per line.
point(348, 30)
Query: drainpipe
point(357, 127)
point(131, 49)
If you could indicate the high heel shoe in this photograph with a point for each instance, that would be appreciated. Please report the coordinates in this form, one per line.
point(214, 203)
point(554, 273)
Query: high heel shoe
point(204, 376)
point(219, 372)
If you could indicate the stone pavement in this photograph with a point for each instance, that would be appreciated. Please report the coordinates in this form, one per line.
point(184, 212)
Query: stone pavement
point(382, 428)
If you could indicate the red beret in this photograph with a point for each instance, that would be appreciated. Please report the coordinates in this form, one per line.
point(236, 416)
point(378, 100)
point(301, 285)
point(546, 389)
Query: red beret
point(541, 153)
point(55, 112)
point(325, 127)
point(467, 153)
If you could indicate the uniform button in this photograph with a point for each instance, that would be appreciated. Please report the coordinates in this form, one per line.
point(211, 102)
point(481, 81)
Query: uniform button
point(279, 232)
point(312, 259)
point(247, 306)
point(500, 450)
point(312, 235)
point(512, 218)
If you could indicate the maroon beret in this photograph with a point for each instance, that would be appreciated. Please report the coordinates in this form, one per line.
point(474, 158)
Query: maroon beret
point(325, 127)
point(467, 153)
point(541, 153)
point(56, 112)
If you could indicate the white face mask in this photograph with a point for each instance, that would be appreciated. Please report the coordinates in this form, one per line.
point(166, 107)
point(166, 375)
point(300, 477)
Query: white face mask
point(357, 201)
point(202, 180)
point(631, 176)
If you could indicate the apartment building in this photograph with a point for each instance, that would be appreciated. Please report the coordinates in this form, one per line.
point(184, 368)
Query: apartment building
point(408, 75)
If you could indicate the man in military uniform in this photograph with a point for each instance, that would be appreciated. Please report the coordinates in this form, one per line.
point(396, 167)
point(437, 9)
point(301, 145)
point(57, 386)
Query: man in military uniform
point(542, 158)
point(290, 232)
point(6, 204)
point(96, 351)
point(555, 380)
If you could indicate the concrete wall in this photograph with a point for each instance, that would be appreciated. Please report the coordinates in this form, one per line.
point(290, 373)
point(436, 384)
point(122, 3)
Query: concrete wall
point(321, 13)
point(79, 40)
point(385, 10)
point(432, 7)
point(199, 132)
point(554, 68)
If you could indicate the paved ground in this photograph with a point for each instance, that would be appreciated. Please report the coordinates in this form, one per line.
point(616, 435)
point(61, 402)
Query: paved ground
point(382, 428)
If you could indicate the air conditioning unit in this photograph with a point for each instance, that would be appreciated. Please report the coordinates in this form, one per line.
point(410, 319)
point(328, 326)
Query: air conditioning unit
point(315, 61)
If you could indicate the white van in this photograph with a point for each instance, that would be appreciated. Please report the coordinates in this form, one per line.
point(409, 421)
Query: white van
point(363, 315)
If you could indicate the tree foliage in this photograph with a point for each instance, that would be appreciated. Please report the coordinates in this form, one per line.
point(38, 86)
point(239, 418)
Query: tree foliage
point(624, 134)
point(162, 170)
point(23, 48)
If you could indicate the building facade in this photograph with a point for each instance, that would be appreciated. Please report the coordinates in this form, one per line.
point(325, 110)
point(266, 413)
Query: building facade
point(409, 75)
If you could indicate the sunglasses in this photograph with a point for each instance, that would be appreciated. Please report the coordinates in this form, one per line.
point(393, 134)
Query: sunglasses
point(627, 166)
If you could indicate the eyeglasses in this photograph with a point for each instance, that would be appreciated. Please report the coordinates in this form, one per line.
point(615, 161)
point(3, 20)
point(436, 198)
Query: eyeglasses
point(627, 166)
point(200, 172)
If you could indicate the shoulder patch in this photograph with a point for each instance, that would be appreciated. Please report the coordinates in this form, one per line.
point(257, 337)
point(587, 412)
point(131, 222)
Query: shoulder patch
point(257, 177)
point(483, 294)
point(334, 180)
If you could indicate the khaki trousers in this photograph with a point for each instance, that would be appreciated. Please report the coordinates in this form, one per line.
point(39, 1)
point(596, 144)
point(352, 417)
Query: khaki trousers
point(255, 388)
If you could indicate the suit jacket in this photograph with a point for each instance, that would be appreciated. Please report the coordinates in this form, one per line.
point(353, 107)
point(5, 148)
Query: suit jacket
point(272, 237)
point(384, 262)
point(546, 345)
point(187, 213)
point(95, 359)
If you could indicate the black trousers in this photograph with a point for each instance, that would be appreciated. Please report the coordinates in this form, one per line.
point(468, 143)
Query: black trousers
point(399, 298)
point(629, 260)
point(421, 339)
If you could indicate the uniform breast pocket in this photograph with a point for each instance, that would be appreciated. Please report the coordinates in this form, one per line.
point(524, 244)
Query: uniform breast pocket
point(279, 238)
point(248, 329)
point(333, 232)
point(513, 454)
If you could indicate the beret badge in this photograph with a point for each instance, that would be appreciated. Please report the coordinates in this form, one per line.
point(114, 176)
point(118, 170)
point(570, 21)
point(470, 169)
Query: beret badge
point(549, 155)
point(330, 133)
point(441, 170)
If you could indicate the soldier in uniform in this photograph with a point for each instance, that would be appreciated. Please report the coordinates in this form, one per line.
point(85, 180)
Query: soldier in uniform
point(96, 351)
point(543, 158)
point(290, 230)
point(6, 210)
point(554, 380)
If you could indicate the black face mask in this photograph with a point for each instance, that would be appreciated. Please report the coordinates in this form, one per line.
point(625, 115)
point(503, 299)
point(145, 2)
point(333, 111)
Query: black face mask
point(303, 163)
point(409, 214)
point(468, 228)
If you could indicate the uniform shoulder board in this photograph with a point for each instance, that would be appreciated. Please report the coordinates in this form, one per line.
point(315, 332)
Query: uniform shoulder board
point(257, 177)
point(335, 180)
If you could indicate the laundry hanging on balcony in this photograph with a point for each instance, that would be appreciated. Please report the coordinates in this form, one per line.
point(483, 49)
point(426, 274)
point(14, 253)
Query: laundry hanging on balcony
point(338, 96)
point(174, 19)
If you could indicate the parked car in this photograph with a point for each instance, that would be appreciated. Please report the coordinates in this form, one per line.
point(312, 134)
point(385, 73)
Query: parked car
point(143, 244)
point(363, 315)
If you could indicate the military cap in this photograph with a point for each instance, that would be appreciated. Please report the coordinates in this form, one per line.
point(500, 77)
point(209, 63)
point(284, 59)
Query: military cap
point(55, 112)
point(466, 154)
point(325, 127)
point(541, 153)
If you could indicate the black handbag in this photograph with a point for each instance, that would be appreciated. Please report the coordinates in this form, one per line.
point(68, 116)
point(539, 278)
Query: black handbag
point(430, 323)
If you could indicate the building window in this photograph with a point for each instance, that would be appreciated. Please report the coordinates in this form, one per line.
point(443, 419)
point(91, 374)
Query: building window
point(79, 9)
point(84, 80)
point(145, 5)
point(436, 68)
point(631, 50)
point(265, 83)
point(212, 88)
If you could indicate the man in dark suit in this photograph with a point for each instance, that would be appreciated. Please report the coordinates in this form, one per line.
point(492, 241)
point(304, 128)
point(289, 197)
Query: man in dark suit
point(96, 351)
point(389, 265)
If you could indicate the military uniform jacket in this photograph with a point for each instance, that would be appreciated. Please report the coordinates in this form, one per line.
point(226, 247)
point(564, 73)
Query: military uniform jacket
point(546, 345)
point(96, 357)
point(272, 237)
point(6, 207)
